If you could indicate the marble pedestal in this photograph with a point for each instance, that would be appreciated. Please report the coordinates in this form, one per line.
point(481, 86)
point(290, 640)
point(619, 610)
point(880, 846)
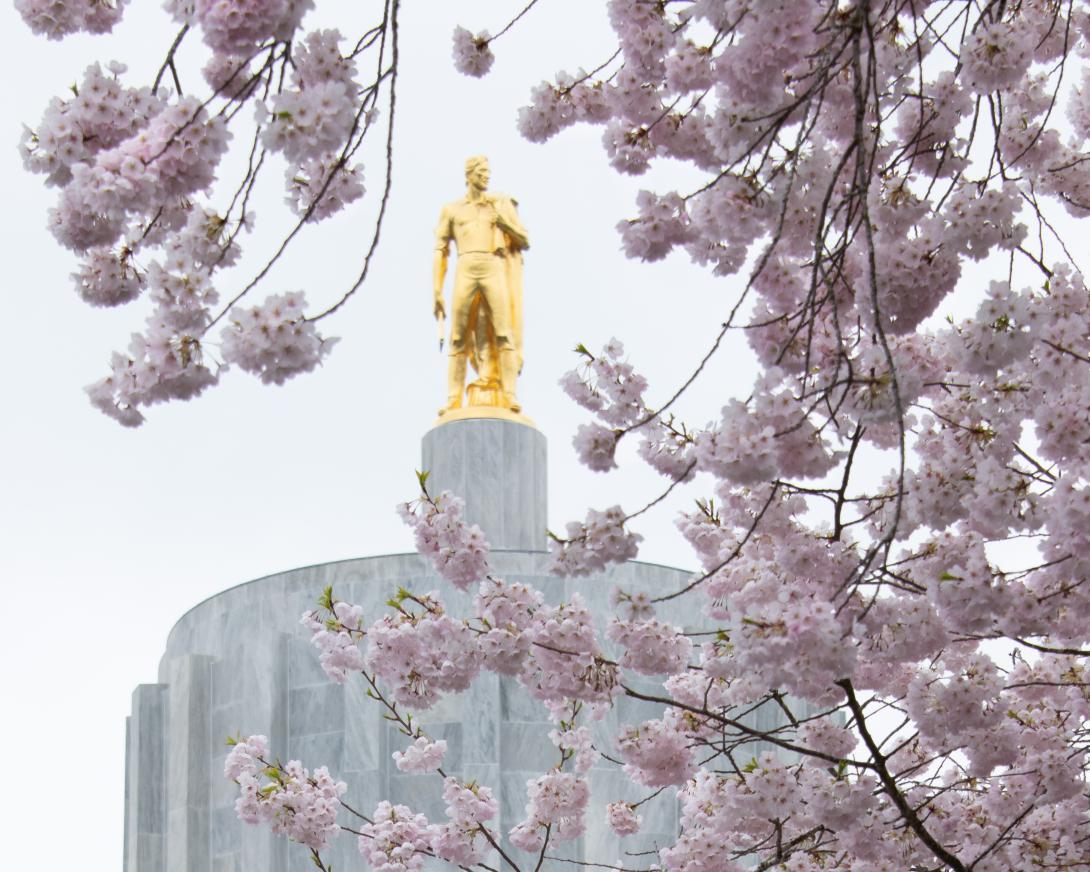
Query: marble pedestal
point(498, 468)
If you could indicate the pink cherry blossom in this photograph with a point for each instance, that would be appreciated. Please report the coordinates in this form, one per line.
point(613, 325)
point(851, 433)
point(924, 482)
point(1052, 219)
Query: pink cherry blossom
point(274, 341)
point(462, 840)
point(336, 638)
point(422, 655)
point(294, 802)
point(591, 545)
point(421, 756)
point(396, 839)
point(622, 818)
point(458, 550)
point(557, 801)
point(472, 55)
point(57, 19)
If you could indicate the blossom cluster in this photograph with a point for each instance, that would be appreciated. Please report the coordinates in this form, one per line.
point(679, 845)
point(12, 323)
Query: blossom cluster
point(556, 806)
point(622, 818)
point(506, 610)
point(651, 647)
point(577, 744)
point(458, 550)
point(238, 27)
point(461, 839)
point(821, 579)
point(566, 660)
point(395, 839)
point(296, 803)
point(589, 546)
point(56, 19)
point(472, 56)
point(421, 655)
point(336, 638)
point(609, 386)
point(136, 168)
point(274, 341)
point(422, 755)
point(322, 186)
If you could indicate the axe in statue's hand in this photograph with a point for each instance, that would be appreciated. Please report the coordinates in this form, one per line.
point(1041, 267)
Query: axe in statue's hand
point(440, 319)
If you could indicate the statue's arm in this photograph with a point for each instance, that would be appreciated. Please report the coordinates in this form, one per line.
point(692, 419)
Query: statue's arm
point(443, 236)
point(510, 223)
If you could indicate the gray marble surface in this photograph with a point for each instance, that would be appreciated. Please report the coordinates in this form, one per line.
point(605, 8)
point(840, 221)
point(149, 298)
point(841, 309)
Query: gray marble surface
point(240, 663)
point(499, 469)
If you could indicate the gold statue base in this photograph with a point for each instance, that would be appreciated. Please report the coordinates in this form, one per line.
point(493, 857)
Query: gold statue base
point(484, 392)
point(467, 413)
point(484, 399)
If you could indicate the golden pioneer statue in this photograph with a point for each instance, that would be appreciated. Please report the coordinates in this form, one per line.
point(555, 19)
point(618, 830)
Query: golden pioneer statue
point(486, 304)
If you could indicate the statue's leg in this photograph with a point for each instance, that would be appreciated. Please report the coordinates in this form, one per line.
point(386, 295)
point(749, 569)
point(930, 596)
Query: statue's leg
point(484, 346)
point(495, 291)
point(509, 370)
point(456, 379)
point(460, 305)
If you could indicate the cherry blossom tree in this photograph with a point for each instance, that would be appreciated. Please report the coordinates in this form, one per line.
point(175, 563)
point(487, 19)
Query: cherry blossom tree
point(863, 161)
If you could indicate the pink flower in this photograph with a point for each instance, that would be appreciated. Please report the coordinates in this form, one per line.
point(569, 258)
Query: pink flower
point(622, 818)
point(275, 341)
point(472, 55)
point(421, 756)
point(458, 550)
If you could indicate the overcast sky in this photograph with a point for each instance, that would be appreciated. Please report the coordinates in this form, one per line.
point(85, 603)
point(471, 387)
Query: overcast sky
point(109, 535)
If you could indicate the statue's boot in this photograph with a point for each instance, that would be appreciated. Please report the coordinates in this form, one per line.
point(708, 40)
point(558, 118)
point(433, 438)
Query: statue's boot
point(509, 368)
point(456, 379)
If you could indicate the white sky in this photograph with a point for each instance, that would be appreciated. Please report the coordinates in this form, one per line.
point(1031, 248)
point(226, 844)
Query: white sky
point(109, 535)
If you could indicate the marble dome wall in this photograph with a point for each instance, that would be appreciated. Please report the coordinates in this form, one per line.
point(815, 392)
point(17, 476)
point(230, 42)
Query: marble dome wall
point(240, 662)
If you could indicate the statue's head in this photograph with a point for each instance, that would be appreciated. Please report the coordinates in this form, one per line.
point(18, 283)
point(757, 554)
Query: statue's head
point(477, 174)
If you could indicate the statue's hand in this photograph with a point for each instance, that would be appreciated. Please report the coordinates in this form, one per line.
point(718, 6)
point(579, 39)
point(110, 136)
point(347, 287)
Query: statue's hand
point(440, 308)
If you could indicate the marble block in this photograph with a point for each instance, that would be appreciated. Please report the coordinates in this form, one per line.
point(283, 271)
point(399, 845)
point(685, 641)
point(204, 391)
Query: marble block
point(499, 468)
